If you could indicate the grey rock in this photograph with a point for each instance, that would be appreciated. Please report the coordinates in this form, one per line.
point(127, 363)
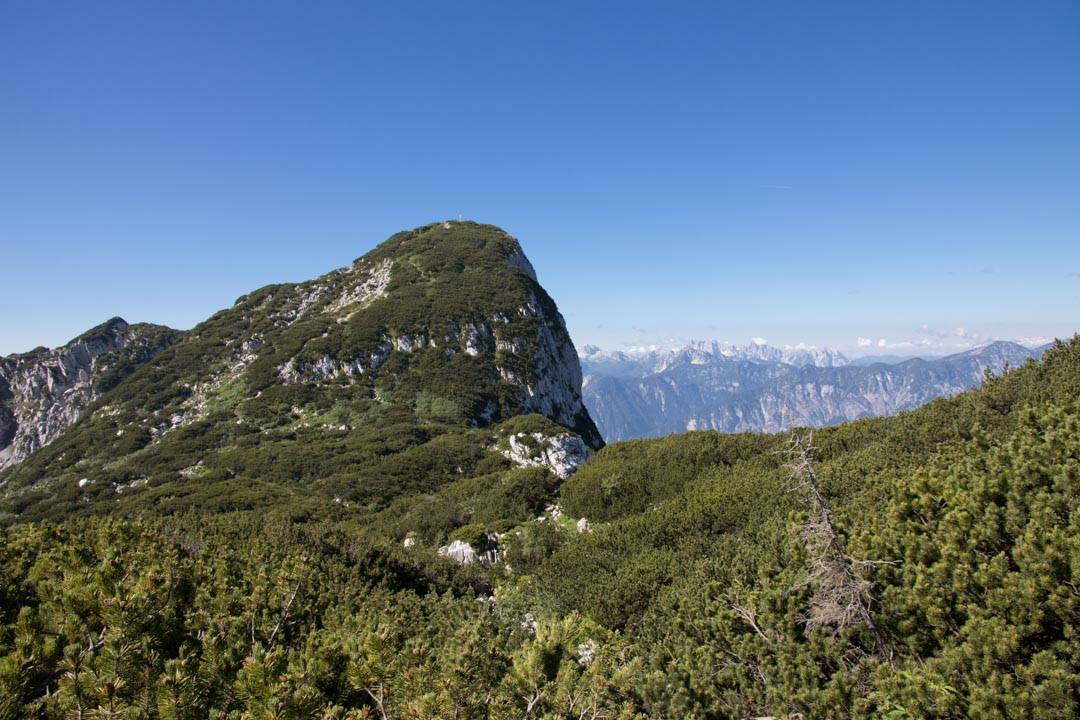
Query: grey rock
point(44, 391)
point(585, 652)
point(460, 551)
point(561, 454)
point(517, 259)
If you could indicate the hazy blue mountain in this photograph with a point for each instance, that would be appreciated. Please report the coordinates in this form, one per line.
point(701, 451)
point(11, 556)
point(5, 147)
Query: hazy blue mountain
point(704, 387)
point(890, 359)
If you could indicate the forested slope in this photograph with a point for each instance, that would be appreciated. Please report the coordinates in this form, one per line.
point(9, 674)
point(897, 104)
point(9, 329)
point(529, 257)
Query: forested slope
point(694, 590)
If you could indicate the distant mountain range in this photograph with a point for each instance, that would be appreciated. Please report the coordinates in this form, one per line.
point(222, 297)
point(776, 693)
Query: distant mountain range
point(735, 388)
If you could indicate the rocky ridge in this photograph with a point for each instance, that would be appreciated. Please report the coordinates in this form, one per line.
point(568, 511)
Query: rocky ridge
point(44, 391)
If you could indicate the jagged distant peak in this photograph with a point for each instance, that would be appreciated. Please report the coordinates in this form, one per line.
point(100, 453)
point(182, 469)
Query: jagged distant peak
point(702, 386)
point(657, 358)
point(706, 351)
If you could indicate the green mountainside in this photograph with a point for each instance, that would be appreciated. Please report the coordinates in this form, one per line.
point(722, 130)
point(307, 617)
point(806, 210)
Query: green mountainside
point(347, 522)
point(379, 379)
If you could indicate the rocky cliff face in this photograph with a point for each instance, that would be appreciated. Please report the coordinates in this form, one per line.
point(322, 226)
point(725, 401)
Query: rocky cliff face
point(697, 389)
point(446, 294)
point(44, 391)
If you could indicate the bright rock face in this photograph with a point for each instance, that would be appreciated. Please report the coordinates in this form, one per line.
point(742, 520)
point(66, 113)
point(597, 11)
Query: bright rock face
point(556, 392)
point(561, 454)
point(460, 551)
point(44, 391)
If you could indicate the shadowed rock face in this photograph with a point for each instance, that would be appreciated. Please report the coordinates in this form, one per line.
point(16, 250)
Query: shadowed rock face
point(8, 426)
point(44, 391)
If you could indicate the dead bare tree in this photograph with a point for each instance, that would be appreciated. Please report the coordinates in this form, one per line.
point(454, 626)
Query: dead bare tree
point(841, 596)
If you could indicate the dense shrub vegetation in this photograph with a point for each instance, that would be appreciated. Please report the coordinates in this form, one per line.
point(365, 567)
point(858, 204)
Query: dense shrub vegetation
point(210, 541)
point(688, 598)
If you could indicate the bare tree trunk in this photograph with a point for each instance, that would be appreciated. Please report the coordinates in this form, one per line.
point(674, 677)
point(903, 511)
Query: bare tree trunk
point(841, 596)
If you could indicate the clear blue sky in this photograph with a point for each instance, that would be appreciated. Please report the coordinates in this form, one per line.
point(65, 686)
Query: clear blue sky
point(802, 172)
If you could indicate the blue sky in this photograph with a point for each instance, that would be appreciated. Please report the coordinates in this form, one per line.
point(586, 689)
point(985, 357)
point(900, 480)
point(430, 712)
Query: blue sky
point(800, 172)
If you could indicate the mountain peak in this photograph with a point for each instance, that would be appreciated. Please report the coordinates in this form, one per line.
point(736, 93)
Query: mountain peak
point(439, 330)
point(453, 290)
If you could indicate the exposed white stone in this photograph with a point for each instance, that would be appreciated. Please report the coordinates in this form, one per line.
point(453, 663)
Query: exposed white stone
point(514, 345)
point(585, 652)
point(373, 285)
point(478, 339)
point(460, 551)
point(137, 483)
point(531, 309)
point(245, 354)
point(584, 526)
point(464, 553)
point(510, 376)
point(191, 470)
point(310, 298)
point(382, 351)
point(410, 343)
point(326, 367)
point(561, 454)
